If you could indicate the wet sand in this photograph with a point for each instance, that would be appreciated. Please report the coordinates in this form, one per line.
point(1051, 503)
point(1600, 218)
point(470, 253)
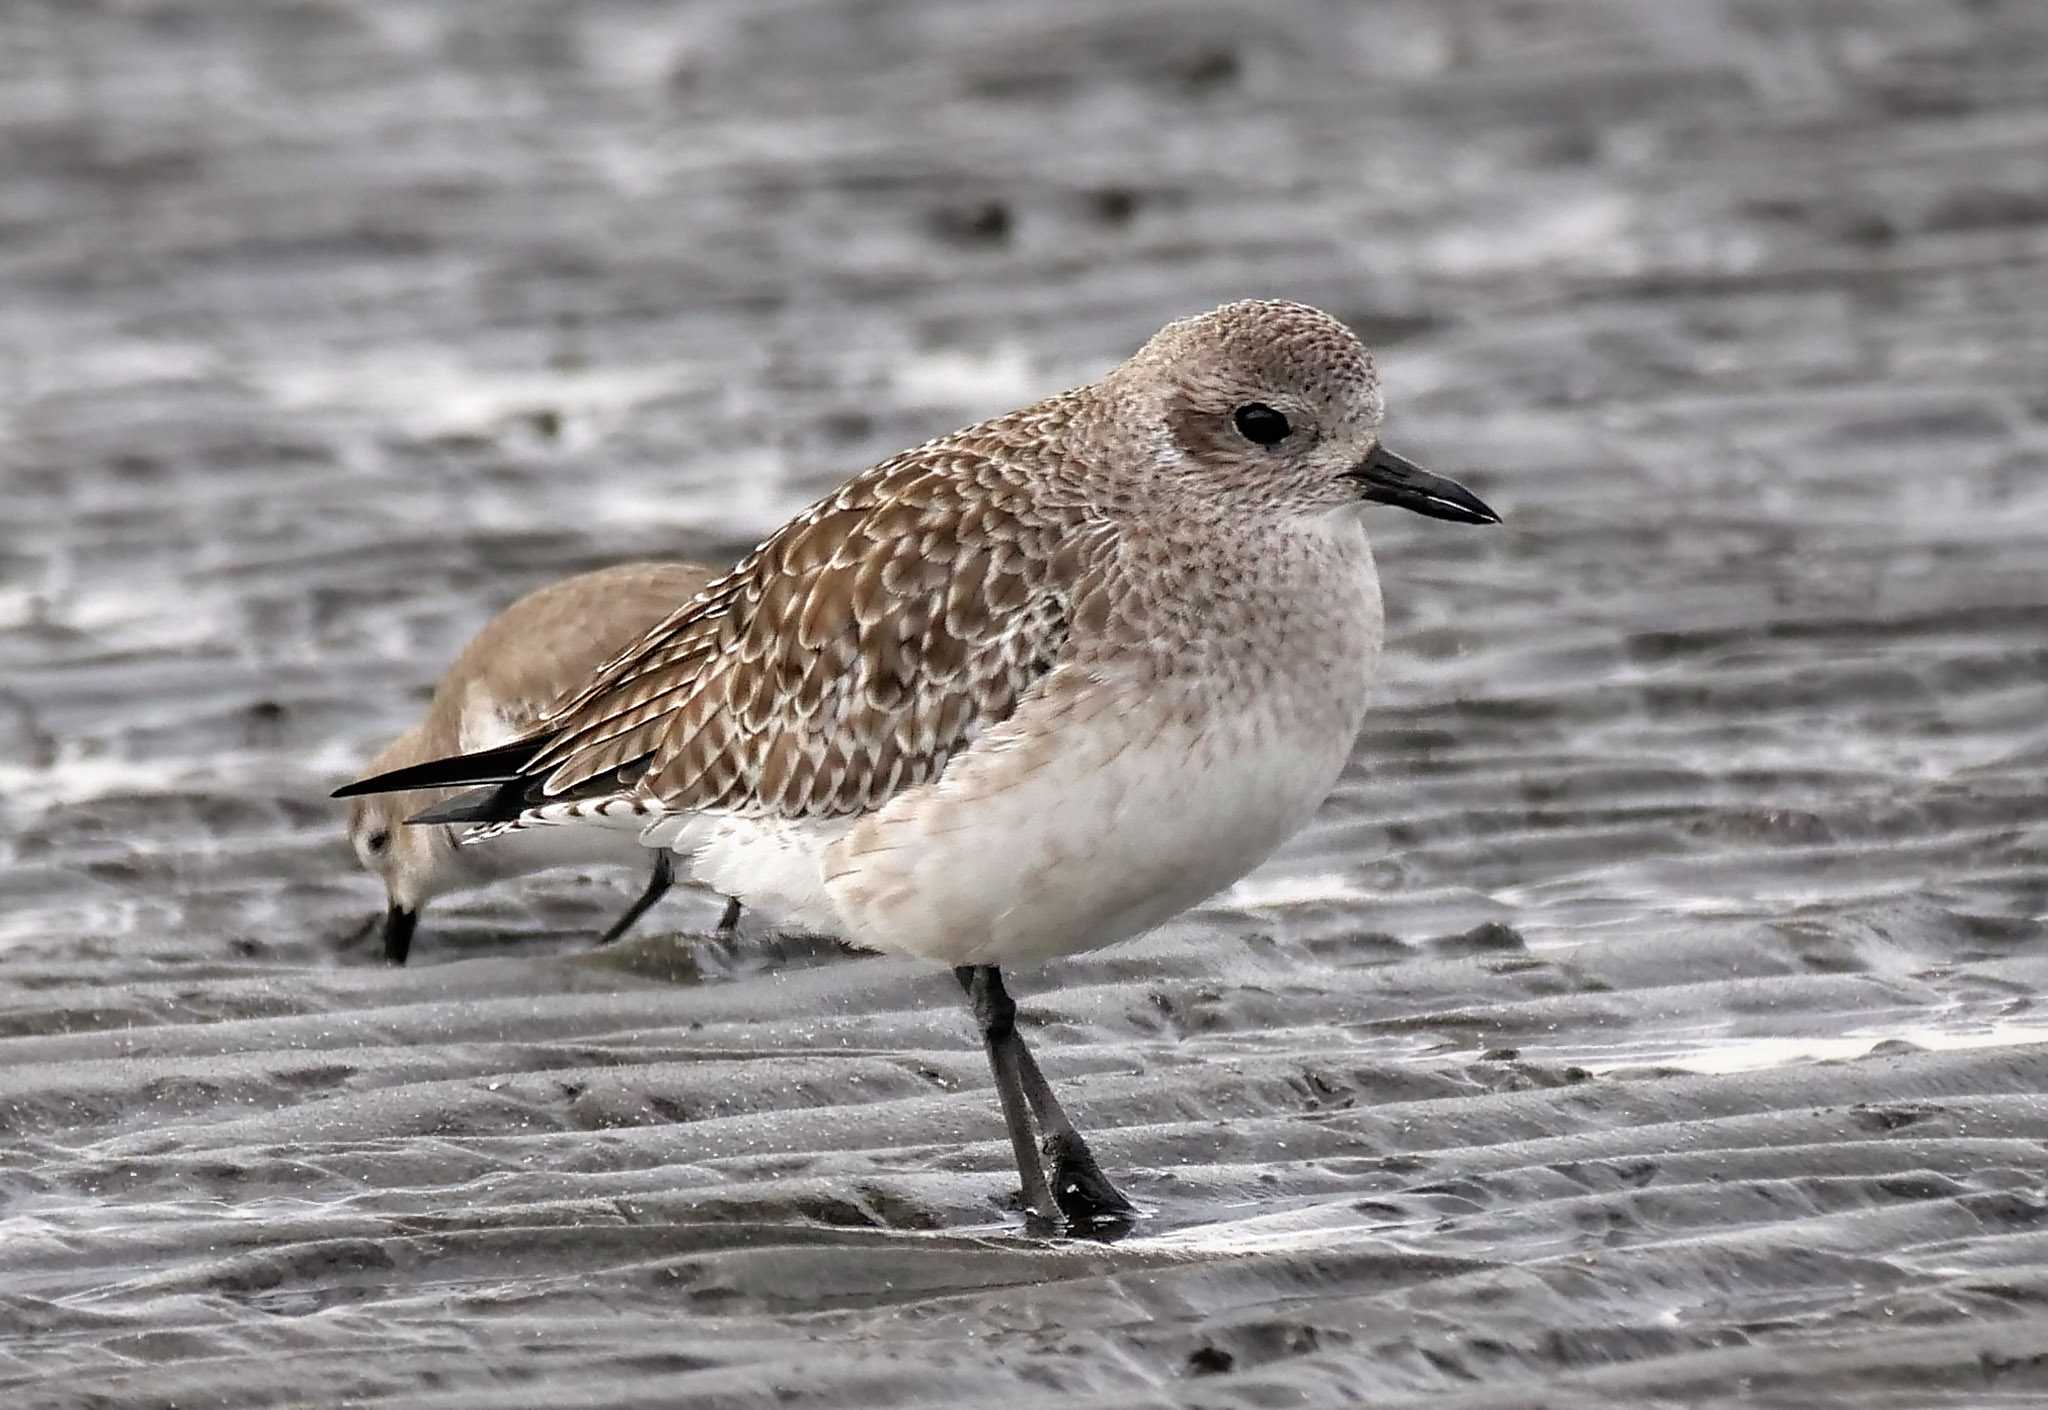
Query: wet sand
point(1653, 1017)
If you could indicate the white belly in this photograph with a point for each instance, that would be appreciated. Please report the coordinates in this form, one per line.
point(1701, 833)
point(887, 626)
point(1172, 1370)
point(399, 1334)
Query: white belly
point(772, 865)
point(543, 848)
point(1132, 816)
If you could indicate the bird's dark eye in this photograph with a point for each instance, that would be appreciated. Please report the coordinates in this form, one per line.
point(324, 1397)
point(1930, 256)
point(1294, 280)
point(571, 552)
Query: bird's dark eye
point(1260, 424)
point(378, 840)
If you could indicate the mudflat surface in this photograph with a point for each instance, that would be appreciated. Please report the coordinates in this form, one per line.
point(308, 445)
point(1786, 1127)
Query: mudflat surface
point(1653, 1017)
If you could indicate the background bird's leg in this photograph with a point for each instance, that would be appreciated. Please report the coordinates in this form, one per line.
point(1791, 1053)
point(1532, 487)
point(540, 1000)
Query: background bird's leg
point(657, 886)
point(996, 1015)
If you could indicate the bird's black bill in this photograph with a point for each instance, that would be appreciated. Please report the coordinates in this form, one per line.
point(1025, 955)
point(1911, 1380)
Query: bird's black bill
point(398, 927)
point(1389, 479)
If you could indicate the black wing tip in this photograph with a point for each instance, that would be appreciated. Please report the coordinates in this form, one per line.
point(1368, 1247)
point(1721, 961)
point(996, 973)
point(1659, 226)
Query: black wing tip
point(363, 786)
point(494, 802)
point(499, 765)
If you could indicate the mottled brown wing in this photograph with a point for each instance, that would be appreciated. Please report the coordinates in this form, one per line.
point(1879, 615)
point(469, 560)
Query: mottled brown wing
point(847, 657)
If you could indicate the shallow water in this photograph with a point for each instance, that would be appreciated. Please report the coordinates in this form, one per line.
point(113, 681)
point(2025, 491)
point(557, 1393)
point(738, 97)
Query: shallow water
point(1652, 1017)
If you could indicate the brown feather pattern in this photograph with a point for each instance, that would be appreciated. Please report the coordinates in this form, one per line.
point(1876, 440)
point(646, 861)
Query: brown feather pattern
point(856, 650)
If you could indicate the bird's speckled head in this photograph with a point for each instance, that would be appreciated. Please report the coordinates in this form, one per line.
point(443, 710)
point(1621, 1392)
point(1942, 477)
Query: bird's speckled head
point(1268, 406)
point(1261, 401)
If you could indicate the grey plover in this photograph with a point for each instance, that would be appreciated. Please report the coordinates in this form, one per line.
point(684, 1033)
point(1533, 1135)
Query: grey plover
point(526, 659)
point(1027, 689)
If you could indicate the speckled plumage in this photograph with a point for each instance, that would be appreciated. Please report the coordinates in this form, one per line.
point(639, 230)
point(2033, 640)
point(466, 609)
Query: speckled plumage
point(1117, 554)
point(1028, 688)
point(851, 654)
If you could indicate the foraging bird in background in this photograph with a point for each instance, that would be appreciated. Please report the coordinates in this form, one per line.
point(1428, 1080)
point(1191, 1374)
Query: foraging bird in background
point(527, 658)
point(1027, 689)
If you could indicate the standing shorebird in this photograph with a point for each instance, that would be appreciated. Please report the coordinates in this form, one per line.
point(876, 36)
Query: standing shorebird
point(1027, 689)
point(526, 659)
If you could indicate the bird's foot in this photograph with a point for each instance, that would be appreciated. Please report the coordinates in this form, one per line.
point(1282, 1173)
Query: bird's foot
point(1093, 1207)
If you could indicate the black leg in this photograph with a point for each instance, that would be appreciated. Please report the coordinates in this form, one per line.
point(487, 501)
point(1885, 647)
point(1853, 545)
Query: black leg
point(398, 928)
point(729, 923)
point(1083, 1193)
point(996, 1016)
point(657, 887)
